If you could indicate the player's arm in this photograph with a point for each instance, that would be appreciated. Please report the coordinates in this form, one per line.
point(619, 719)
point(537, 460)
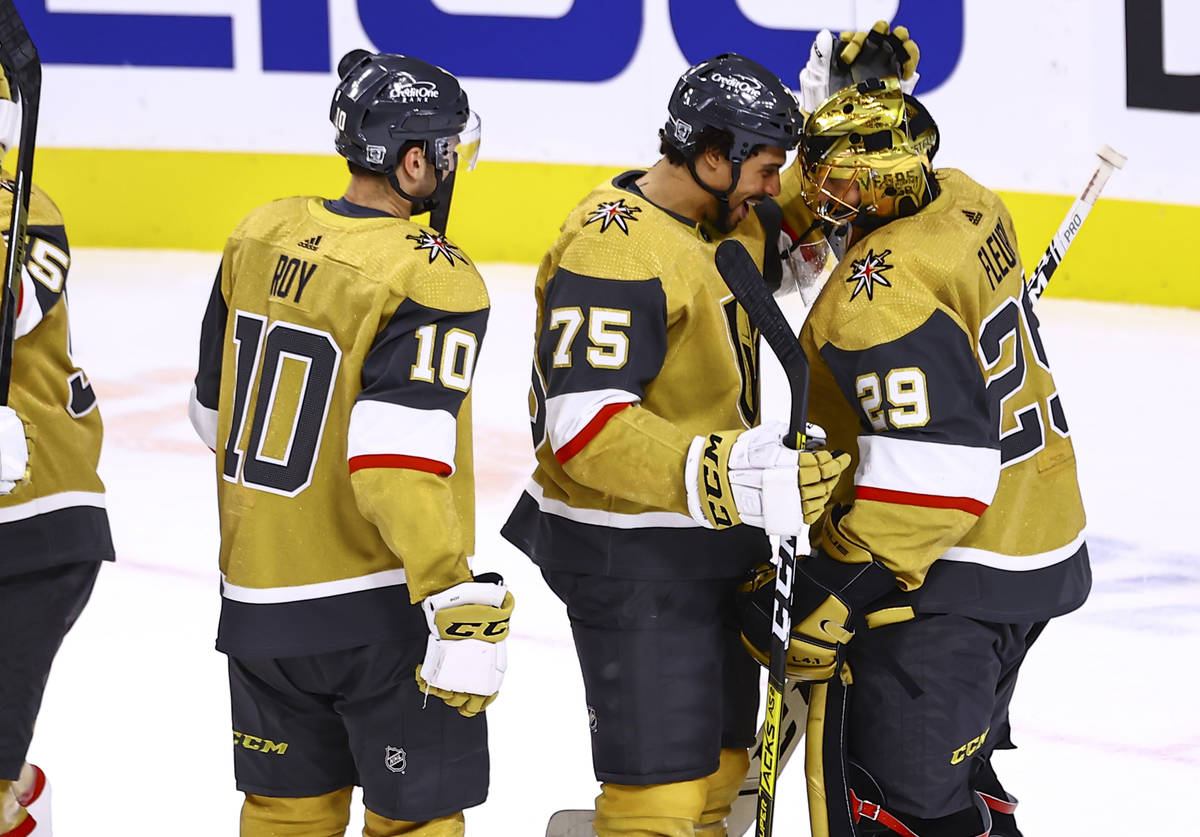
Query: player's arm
point(601, 344)
point(929, 460)
point(929, 465)
point(206, 389)
point(43, 283)
point(403, 438)
point(44, 275)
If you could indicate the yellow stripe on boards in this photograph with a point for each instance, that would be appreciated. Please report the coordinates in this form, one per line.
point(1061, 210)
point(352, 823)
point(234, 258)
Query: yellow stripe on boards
point(511, 212)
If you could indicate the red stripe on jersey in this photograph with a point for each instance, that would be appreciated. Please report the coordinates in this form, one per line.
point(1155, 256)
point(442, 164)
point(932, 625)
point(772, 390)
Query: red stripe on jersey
point(930, 501)
point(589, 432)
point(399, 460)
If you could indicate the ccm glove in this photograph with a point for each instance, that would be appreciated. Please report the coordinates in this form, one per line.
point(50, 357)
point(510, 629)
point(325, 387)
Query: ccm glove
point(827, 596)
point(465, 656)
point(855, 56)
point(750, 476)
point(14, 451)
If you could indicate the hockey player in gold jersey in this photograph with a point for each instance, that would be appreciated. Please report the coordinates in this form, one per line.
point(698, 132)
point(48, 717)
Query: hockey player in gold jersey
point(959, 532)
point(334, 383)
point(53, 524)
point(655, 484)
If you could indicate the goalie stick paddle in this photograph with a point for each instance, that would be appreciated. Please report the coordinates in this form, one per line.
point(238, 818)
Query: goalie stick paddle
point(20, 57)
point(1069, 228)
point(743, 278)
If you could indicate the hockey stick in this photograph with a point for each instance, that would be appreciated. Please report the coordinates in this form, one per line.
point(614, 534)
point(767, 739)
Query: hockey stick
point(738, 270)
point(20, 57)
point(1069, 228)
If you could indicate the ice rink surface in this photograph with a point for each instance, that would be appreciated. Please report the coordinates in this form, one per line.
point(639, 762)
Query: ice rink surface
point(135, 731)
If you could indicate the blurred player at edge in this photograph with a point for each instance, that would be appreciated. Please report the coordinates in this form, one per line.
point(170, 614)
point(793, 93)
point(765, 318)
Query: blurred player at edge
point(53, 524)
point(336, 358)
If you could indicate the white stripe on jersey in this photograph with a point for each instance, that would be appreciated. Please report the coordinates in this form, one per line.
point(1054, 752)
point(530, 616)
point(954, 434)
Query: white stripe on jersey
point(305, 592)
point(1016, 563)
point(51, 503)
point(377, 427)
point(567, 415)
point(614, 520)
point(31, 309)
point(932, 468)
point(204, 420)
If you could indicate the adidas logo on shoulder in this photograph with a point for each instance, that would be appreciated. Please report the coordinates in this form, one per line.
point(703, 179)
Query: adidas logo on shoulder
point(310, 243)
point(972, 216)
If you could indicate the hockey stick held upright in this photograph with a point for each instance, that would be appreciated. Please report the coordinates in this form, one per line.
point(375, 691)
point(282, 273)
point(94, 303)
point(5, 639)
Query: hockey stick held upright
point(20, 57)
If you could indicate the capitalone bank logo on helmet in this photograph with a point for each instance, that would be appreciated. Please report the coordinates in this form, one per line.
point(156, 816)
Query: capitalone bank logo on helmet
point(748, 87)
point(408, 89)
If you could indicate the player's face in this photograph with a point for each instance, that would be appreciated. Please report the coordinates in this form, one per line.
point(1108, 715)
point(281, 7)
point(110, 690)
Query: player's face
point(759, 180)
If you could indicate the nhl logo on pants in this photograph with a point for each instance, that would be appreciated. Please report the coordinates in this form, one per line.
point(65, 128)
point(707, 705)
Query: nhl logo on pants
point(394, 759)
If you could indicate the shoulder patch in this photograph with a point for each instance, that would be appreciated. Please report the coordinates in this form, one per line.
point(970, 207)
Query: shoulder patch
point(867, 273)
point(613, 212)
point(437, 245)
point(973, 216)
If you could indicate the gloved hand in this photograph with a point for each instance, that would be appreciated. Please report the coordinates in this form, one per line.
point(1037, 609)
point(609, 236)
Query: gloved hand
point(827, 595)
point(14, 451)
point(750, 476)
point(465, 656)
point(855, 56)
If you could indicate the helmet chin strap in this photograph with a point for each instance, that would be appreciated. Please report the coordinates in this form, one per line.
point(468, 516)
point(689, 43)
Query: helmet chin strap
point(419, 204)
point(723, 208)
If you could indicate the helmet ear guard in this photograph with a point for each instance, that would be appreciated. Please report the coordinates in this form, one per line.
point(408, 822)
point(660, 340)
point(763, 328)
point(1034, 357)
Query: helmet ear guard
point(876, 138)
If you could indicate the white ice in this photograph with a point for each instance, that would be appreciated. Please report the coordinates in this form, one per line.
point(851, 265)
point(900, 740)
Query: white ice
point(135, 732)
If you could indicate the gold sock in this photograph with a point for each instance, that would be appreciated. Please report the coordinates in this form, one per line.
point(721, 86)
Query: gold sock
point(308, 816)
point(668, 810)
point(722, 789)
point(377, 826)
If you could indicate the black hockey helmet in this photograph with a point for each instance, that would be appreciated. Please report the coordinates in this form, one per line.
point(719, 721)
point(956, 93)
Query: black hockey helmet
point(385, 100)
point(737, 95)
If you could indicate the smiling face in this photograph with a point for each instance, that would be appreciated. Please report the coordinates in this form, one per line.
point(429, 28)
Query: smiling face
point(758, 179)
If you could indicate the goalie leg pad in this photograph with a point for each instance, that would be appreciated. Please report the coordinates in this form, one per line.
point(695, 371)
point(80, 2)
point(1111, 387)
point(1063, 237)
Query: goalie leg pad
point(326, 815)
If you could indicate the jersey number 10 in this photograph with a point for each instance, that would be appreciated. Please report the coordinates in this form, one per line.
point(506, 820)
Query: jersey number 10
point(289, 409)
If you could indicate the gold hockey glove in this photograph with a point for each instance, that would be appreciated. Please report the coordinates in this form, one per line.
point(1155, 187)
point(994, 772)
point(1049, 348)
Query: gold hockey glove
point(465, 656)
point(855, 56)
point(828, 595)
point(750, 476)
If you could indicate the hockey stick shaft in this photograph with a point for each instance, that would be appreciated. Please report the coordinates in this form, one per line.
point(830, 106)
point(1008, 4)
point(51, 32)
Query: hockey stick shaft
point(744, 279)
point(1109, 160)
point(21, 58)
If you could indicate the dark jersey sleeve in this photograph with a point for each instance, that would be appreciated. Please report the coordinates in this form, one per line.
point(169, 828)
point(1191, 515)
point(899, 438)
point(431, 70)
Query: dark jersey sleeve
point(207, 387)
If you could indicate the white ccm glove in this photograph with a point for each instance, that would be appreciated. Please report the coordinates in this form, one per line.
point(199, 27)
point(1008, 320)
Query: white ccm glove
point(750, 476)
point(14, 451)
point(465, 657)
point(880, 52)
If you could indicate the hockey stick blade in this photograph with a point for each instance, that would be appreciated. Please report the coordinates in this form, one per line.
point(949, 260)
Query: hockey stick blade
point(21, 58)
point(1069, 228)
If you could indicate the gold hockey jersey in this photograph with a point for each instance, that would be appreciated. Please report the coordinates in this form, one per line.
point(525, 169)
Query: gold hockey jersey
point(336, 360)
point(639, 347)
point(928, 367)
point(57, 515)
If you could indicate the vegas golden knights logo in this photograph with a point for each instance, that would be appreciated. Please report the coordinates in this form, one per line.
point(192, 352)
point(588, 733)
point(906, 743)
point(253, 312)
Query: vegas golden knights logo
point(744, 338)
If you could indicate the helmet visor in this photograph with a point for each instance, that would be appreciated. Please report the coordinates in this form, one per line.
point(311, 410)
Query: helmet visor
point(460, 151)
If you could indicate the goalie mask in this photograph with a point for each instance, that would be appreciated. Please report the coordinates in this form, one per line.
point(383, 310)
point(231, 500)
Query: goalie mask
point(384, 101)
point(866, 153)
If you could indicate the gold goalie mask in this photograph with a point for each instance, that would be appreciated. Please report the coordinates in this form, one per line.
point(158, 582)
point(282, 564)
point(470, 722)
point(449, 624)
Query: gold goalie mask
point(866, 153)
